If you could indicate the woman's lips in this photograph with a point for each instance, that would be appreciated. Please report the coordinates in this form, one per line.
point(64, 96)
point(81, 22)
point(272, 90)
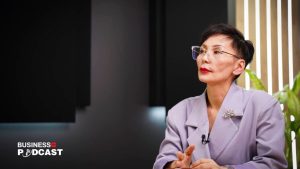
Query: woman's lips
point(204, 70)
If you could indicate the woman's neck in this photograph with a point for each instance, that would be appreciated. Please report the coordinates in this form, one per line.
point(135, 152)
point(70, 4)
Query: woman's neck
point(215, 95)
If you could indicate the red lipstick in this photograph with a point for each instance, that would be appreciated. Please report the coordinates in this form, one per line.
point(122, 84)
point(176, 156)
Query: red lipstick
point(204, 70)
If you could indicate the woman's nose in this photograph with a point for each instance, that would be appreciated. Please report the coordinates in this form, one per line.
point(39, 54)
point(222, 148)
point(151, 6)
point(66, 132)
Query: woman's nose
point(205, 58)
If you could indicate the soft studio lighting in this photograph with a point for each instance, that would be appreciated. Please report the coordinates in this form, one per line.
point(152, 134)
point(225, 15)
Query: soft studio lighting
point(269, 47)
point(279, 44)
point(157, 114)
point(291, 74)
point(293, 137)
point(257, 38)
point(246, 34)
point(290, 43)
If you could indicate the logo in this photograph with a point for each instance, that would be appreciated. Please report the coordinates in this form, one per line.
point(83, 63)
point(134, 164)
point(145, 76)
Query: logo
point(26, 149)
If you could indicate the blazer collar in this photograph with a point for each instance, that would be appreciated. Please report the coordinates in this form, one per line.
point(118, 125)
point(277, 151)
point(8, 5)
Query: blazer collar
point(197, 123)
point(223, 129)
point(198, 116)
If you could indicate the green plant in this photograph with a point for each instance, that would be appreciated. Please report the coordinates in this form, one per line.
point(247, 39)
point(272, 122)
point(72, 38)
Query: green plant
point(289, 98)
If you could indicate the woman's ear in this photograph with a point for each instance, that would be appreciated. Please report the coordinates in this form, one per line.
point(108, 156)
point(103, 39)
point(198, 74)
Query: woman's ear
point(239, 67)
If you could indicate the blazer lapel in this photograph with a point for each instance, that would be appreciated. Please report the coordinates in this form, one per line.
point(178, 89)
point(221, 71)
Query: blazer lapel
point(197, 125)
point(224, 129)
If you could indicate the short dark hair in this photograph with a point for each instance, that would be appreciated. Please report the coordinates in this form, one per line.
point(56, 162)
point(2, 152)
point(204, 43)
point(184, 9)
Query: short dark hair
point(244, 47)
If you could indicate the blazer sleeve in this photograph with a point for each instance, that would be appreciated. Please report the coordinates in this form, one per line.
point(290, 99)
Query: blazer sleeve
point(170, 145)
point(270, 140)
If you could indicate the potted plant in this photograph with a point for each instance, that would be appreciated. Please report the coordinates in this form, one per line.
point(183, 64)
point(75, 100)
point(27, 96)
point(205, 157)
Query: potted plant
point(289, 98)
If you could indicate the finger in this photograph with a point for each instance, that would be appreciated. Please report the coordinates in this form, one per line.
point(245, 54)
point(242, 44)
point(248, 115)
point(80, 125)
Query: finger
point(196, 163)
point(174, 164)
point(203, 166)
point(180, 156)
point(189, 150)
point(203, 161)
point(178, 164)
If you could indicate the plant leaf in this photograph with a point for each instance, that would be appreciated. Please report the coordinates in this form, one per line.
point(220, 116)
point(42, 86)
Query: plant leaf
point(297, 127)
point(296, 85)
point(256, 82)
point(287, 134)
point(281, 96)
point(293, 104)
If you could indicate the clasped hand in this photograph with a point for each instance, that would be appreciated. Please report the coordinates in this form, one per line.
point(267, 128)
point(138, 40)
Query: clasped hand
point(185, 161)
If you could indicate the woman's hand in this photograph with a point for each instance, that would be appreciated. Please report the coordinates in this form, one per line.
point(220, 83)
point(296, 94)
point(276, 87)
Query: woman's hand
point(184, 159)
point(206, 164)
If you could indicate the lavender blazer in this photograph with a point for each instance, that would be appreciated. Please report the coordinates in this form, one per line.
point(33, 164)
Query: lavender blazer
point(252, 138)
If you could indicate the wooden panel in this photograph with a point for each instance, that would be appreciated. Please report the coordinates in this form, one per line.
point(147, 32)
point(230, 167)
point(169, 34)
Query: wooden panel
point(274, 39)
point(285, 43)
point(252, 31)
point(263, 43)
point(296, 36)
point(274, 45)
point(240, 25)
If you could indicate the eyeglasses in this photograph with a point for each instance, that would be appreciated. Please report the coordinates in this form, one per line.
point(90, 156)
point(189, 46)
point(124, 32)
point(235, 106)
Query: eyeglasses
point(216, 52)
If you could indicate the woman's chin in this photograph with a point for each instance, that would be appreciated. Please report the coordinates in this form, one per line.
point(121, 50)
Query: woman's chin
point(207, 80)
point(203, 79)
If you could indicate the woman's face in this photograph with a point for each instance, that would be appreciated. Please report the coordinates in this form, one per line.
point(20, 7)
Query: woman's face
point(216, 65)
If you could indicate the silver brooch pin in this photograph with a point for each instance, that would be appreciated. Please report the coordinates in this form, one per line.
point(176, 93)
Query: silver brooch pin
point(228, 114)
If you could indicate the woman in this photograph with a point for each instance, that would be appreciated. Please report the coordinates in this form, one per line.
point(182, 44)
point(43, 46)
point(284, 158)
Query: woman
point(226, 126)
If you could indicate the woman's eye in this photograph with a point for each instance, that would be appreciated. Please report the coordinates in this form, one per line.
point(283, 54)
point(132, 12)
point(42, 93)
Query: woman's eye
point(216, 52)
point(201, 51)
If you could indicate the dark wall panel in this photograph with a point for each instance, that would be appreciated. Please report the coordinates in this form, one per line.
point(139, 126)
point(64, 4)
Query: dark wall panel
point(47, 60)
point(117, 130)
point(175, 26)
point(157, 52)
point(185, 21)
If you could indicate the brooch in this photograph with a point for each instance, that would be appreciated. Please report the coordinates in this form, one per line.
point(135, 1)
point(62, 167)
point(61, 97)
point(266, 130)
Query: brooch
point(228, 114)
